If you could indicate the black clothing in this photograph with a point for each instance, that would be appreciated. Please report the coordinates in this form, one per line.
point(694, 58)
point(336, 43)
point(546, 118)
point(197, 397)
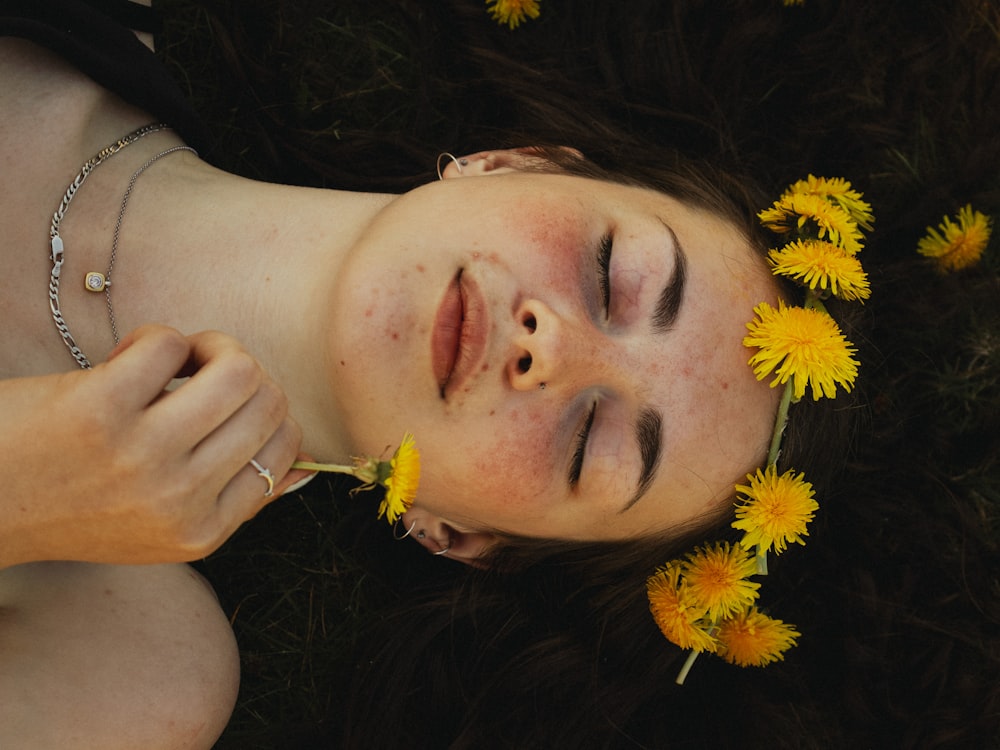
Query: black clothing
point(95, 36)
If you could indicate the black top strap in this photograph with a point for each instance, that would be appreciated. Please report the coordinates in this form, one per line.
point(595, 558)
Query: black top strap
point(130, 15)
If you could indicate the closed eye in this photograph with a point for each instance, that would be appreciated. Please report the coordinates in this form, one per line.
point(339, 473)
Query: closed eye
point(576, 465)
point(604, 271)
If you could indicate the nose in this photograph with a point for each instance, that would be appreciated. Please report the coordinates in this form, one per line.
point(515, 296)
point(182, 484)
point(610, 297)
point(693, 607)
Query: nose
point(552, 349)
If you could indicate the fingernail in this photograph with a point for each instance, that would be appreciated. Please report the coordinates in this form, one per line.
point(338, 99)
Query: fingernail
point(300, 484)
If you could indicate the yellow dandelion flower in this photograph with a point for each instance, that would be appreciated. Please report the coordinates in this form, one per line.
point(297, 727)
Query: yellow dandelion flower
point(804, 344)
point(816, 263)
point(775, 510)
point(752, 639)
point(401, 484)
point(718, 578)
point(957, 245)
point(513, 12)
point(840, 192)
point(676, 613)
point(795, 210)
point(400, 476)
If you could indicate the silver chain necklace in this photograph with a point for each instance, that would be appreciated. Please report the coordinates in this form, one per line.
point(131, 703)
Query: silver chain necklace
point(105, 281)
point(94, 281)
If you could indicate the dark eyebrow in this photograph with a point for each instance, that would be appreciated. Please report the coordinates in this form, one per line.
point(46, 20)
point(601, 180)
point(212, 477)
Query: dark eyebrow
point(669, 303)
point(649, 426)
point(648, 432)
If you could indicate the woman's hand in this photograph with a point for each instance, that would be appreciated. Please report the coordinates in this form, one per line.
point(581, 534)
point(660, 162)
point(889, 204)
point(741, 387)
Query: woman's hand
point(107, 466)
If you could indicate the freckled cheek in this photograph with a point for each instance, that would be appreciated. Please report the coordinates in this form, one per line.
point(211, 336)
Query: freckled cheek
point(551, 243)
point(513, 457)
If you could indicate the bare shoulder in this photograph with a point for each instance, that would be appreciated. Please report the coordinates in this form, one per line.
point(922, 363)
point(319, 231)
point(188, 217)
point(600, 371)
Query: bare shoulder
point(48, 107)
point(36, 80)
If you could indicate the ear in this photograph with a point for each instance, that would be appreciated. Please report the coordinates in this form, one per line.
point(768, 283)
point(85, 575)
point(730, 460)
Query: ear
point(497, 162)
point(445, 539)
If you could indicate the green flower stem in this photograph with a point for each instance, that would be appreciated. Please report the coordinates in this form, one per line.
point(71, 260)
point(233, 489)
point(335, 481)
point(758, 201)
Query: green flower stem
point(779, 423)
point(335, 468)
point(761, 559)
point(693, 656)
point(813, 302)
point(368, 470)
point(682, 675)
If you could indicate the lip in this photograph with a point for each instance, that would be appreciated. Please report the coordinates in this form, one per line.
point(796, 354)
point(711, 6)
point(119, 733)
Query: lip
point(458, 341)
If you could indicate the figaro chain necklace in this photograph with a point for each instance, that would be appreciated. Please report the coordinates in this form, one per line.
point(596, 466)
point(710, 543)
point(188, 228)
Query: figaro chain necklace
point(94, 281)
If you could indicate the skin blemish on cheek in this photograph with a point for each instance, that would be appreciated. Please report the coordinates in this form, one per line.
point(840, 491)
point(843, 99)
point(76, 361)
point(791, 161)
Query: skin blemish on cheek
point(395, 335)
point(369, 312)
point(421, 268)
point(485, 367)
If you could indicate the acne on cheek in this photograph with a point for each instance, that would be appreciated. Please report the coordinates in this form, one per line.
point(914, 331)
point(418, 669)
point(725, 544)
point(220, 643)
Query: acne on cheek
point(397, 324)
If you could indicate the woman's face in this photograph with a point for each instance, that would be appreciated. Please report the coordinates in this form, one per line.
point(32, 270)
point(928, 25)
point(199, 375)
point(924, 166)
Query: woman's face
point(549, 397)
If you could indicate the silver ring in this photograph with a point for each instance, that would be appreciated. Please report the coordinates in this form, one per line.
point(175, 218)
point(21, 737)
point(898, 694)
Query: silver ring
point(266, 474)
point(443, 551)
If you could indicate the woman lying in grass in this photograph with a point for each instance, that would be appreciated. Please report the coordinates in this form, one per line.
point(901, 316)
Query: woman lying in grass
point(565, 336)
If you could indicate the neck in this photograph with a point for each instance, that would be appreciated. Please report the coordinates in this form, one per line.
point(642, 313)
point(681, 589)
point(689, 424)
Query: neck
point(199, 249)
point(202, 249)
point(255, 260)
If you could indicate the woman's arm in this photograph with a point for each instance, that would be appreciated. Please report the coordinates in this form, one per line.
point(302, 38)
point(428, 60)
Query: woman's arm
point(107, 466)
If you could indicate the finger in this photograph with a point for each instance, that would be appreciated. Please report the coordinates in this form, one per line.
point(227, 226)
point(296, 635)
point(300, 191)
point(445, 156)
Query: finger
point(226, 381)
point(247, 492)
point(143, 364)
point(206, 346)
point(297, 479)
point(244, 433)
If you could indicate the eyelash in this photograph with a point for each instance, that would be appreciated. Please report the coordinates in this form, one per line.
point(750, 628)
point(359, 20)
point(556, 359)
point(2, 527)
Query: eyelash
point(576, 466)
point(604, 271)
point(604, 282)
